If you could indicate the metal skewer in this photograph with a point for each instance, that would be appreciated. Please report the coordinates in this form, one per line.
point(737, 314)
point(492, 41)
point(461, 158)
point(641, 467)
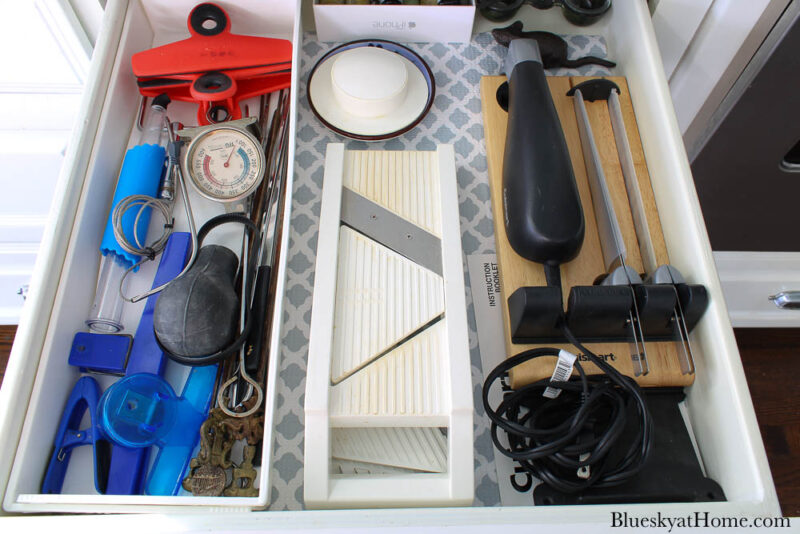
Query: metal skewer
point(265, 214)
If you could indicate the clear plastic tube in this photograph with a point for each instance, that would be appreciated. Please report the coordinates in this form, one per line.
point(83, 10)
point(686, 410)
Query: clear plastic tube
point(153, 131)
point(140, 174)
point(105, 316)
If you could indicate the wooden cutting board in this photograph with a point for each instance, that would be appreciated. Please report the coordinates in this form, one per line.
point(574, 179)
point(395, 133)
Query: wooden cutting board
point(516, 272)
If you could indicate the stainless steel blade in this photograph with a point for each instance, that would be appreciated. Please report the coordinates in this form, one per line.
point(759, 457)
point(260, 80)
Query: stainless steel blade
point(667, 274)
point(625, 275)
point(638, 212)
point(391, 230)
point(614, 252)
point(607, 223)
point(387, 350)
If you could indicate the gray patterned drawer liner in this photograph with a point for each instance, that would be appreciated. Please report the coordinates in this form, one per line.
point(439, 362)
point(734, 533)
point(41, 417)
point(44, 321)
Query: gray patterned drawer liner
point(456, 119)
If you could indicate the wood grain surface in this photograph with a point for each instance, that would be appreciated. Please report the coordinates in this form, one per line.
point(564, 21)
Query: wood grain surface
point(516, 272)
point(769, 356)
point(7, 333)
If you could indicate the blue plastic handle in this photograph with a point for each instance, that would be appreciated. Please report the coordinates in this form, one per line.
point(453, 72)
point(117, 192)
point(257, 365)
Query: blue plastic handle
point(84, 397)
point(128, 466)
point(176, 449)
point(146, 355)
point(142, 410)
point(140, 175)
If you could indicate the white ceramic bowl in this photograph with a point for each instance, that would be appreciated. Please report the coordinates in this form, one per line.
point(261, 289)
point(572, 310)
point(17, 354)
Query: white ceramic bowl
point(370, 97)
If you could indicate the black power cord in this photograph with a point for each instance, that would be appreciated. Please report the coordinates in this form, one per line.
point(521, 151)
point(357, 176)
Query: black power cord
point(572, 442)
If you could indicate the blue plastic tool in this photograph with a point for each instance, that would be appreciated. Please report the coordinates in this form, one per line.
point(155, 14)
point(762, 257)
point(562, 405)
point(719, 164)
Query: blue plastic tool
point(140, 175)
point(84, 397)
point(128, 466)
point(146, 355)
point(142, 410)
point(100, 353)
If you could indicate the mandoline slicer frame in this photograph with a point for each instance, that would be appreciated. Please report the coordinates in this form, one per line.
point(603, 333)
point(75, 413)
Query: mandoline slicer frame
point(388, 406)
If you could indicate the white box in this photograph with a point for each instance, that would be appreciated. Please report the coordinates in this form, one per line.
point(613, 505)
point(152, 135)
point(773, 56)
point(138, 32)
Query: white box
point(403, 24)
point(37, 379)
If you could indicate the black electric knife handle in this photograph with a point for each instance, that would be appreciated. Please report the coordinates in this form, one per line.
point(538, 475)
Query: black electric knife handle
point(541, 205)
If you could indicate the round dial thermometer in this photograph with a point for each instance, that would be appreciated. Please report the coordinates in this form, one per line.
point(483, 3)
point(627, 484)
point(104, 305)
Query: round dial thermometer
point(225, 163)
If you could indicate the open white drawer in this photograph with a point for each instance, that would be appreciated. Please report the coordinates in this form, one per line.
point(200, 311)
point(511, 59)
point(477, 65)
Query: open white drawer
point(68, 267)
point(38, 379)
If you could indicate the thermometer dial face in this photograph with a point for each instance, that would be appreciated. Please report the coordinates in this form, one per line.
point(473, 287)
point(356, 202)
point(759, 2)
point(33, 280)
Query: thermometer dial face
point(225, 164)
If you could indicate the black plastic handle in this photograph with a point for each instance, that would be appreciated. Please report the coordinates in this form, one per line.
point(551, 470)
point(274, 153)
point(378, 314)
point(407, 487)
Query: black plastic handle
point(258, 311)
point(541, 204)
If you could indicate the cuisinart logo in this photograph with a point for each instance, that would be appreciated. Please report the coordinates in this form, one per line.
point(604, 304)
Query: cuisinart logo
point(393, 25)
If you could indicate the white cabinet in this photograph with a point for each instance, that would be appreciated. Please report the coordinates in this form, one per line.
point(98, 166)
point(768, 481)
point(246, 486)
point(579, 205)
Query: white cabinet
point(744, 168)
point(40, 91)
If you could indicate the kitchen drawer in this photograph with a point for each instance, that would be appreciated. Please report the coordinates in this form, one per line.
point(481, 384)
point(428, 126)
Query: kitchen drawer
point(718, 406)
point(749, 279)
point(65, 275)
point(742, 176)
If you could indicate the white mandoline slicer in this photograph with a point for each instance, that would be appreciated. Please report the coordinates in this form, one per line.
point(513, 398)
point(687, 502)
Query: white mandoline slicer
point(388, 401)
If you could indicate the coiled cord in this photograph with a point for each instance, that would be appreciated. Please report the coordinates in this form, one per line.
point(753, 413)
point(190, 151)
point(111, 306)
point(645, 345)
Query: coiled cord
point(142, 202)
point(165, 208)
point(574, 441)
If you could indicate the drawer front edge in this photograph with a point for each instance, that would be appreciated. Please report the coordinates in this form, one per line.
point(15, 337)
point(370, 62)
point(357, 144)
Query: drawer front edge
point(34, 321)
